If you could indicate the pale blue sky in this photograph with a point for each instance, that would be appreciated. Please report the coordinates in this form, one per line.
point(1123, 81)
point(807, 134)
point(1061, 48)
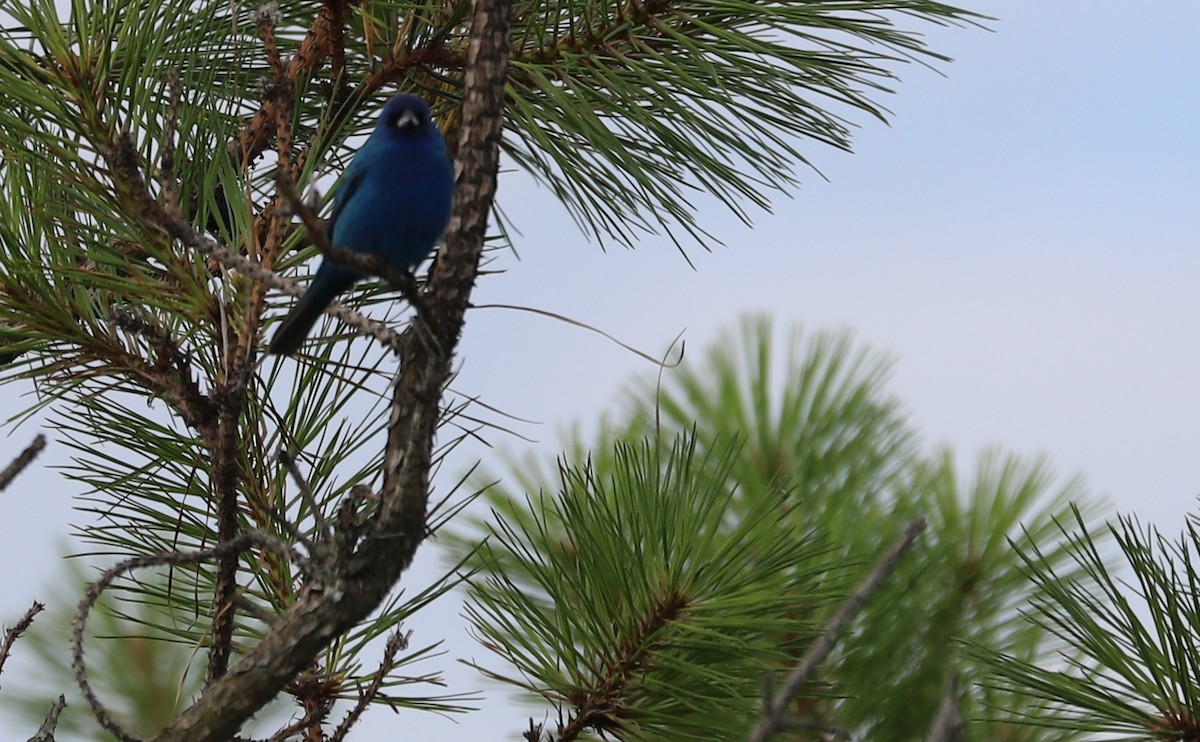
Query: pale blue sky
point(1024, 240)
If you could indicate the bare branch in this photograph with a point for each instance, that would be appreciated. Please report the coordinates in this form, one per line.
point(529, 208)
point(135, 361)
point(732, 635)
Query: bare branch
point(45, 732)
point(775, 707)
point(397, 643)
point(949, 725)
point(24, 459)
point(14, 633)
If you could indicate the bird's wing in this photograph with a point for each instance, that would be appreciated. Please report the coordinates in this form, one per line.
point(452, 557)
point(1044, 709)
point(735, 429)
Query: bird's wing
point(351, 181)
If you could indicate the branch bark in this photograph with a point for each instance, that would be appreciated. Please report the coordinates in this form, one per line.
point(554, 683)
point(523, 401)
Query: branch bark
point(23, 459)
point(14, 632)
point(949, 725)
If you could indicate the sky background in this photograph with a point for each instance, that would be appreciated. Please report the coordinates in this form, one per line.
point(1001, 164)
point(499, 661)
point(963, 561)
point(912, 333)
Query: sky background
point(1023, 240)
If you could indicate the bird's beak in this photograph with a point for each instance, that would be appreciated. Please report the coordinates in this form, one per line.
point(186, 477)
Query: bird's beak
point(408, 120)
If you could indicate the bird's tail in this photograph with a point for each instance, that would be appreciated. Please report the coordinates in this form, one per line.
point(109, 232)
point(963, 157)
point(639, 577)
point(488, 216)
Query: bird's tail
point(299, 322)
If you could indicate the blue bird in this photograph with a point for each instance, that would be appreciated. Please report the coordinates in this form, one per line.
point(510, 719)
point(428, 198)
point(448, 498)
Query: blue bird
point(393, 201)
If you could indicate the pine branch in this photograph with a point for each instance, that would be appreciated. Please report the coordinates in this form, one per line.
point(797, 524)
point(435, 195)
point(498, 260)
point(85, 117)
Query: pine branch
point(600, 708)
point(45, 732)
point(23, 459)
point(14, 632)
point(949, 724)
point(1128, 636)
point(635, 603)
point(774, 717)
point(339, 595)
point(321, 41)
point(103, 715)
point(627, 109)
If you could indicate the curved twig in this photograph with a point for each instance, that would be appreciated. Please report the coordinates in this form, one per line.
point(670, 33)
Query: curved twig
point(79, 665)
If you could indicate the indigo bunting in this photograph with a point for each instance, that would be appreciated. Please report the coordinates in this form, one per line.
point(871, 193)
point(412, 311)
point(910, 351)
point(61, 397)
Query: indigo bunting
point(393, 201)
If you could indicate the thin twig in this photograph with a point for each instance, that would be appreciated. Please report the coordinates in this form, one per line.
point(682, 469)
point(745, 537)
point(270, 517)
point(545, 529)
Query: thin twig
point(306, 494)
point(775, 707)
point(312, 716)
point(96, 589)
point(397, 643)
point(662, 363)
point(20, 627)
point(45, 732)
point(24, 459)
point(949, 725)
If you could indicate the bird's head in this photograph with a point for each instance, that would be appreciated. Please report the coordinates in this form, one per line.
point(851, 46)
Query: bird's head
point(406, 116)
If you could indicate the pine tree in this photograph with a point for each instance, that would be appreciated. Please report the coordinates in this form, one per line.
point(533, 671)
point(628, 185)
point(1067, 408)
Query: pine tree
point(151, 219)
point(752, 491)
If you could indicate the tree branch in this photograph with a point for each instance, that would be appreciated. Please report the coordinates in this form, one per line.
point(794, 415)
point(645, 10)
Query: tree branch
point(949, 725)
point(774, 717)
point(320, 42)
point(97, 588)
point(45, 732)
point(23, 459)
point(339, 595)
point(14, 632)
point(396, 643)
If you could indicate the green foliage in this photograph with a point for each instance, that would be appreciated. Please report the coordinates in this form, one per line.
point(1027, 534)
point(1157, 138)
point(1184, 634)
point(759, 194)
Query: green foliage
point(641, 607)
point(814, 414)
point(626, 109)
point(1134, 659)
point(133, 339)
point(814, 426)
point(962, 582)
point(146, 350)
